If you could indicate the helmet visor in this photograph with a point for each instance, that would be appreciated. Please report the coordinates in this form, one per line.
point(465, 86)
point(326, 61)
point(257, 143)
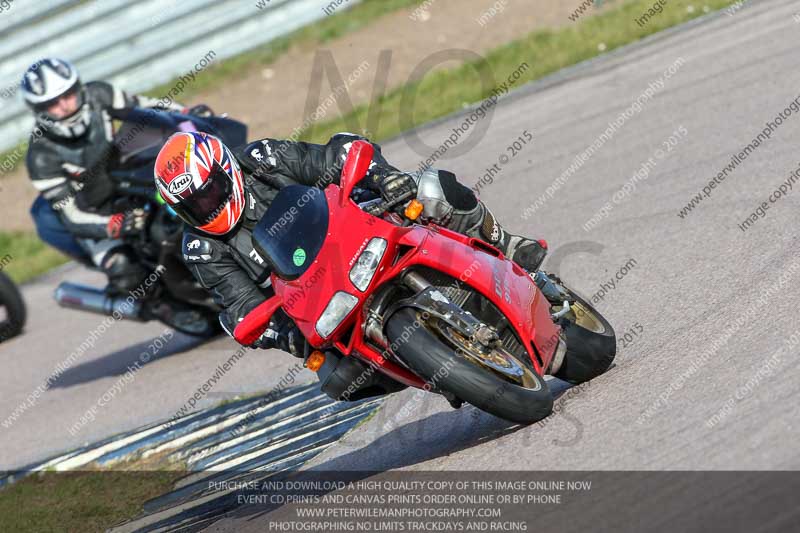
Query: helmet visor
point(207, 202)
point(63, 106)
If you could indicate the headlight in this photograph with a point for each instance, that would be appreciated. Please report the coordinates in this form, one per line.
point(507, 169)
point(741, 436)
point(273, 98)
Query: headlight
point(366, 265)
point(337, 309)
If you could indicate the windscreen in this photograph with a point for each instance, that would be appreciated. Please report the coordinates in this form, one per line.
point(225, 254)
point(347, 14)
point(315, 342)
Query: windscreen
point(291, 233)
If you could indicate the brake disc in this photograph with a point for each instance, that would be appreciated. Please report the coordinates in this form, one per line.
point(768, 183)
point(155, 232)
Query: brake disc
point(495, 358)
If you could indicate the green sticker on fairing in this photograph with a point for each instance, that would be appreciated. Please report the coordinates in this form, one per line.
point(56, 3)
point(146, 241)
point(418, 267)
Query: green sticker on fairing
point(299, 257)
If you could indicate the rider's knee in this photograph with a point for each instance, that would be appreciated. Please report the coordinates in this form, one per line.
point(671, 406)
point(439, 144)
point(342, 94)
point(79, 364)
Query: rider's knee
point(457, 194)
point(443, 196)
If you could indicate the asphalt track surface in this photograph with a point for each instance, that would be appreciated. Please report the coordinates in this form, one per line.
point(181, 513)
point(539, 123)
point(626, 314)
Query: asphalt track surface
point(707, 337)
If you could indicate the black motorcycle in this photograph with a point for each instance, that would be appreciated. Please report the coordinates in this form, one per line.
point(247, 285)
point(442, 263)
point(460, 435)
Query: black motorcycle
point(174, 297)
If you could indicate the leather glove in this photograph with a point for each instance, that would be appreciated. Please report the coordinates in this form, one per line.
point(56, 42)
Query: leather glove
point(131, 222)
point(282, 334)
point(200, 110)
point(397, 185)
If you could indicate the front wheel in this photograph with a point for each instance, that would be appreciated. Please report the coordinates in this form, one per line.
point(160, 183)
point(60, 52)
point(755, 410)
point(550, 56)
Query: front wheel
point(15, 313)
point(511, 390)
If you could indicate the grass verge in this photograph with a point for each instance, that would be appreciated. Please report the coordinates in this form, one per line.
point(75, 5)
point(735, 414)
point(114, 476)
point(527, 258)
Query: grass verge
point(545, 51)
point(29, 256)
point(80, 501)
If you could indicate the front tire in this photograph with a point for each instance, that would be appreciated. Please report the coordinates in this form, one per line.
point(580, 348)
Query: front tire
point(442, 367)
point(16, 315)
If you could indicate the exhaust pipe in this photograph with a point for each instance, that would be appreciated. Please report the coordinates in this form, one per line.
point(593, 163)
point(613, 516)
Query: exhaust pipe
point(94, 300)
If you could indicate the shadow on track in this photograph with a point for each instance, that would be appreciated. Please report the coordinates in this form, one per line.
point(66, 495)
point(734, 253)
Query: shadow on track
point(117, 363)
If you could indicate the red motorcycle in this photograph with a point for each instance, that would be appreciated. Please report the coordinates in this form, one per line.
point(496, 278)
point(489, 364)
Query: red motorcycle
point(387, 303)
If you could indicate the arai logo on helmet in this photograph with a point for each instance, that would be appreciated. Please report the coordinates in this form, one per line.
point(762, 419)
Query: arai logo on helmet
point(180, 184)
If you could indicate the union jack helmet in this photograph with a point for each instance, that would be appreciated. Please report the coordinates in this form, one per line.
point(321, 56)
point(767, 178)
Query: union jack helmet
point(198, 177)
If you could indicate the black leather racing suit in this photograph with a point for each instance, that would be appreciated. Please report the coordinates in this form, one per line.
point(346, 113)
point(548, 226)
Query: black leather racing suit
point(71, 175)
point(232, 270)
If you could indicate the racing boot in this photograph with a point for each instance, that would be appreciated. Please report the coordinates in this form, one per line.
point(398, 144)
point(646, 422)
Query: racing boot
point(479, 222)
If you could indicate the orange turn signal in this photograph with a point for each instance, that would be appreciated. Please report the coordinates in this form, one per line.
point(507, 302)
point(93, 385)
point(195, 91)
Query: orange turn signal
point(315, 360)
point(414, 209)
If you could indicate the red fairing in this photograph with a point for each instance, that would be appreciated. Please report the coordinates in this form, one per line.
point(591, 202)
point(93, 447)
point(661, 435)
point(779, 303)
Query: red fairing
point(475, 263)
point(479, 265)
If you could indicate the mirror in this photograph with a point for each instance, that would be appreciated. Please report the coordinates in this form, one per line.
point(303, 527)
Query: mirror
point(355, 168)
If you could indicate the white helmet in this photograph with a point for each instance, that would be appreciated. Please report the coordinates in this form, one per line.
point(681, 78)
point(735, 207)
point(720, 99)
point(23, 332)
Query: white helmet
point(43, 83)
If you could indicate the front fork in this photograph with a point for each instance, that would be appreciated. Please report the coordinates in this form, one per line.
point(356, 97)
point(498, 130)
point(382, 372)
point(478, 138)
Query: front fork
point(434, 304)
point(428, 299)
point(556, 295)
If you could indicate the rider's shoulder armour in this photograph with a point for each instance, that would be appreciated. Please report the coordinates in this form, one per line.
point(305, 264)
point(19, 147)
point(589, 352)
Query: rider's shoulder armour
point(259, 157)
point(197, 249)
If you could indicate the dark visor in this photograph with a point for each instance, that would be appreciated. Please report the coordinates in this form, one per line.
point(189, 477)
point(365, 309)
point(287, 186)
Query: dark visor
point(207, 202)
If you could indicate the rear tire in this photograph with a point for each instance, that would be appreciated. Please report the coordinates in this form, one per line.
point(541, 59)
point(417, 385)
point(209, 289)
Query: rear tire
point(589, 353)
point(440, 365)
point(16, 315)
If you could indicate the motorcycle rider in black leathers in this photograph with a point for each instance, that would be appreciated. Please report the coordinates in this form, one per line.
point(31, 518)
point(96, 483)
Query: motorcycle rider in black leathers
point(68, 155)
point(223, 193)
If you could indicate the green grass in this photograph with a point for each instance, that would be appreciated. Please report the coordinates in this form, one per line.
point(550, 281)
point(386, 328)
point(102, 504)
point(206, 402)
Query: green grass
point(545, 51)
point(30, 257)
point(12, 158)
point(79, 501)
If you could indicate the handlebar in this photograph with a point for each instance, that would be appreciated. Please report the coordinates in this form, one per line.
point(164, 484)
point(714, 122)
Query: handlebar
point(378, 208)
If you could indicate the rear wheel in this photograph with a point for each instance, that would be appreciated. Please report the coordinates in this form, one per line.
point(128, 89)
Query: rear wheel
point(591, 342)
point(496, 382)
